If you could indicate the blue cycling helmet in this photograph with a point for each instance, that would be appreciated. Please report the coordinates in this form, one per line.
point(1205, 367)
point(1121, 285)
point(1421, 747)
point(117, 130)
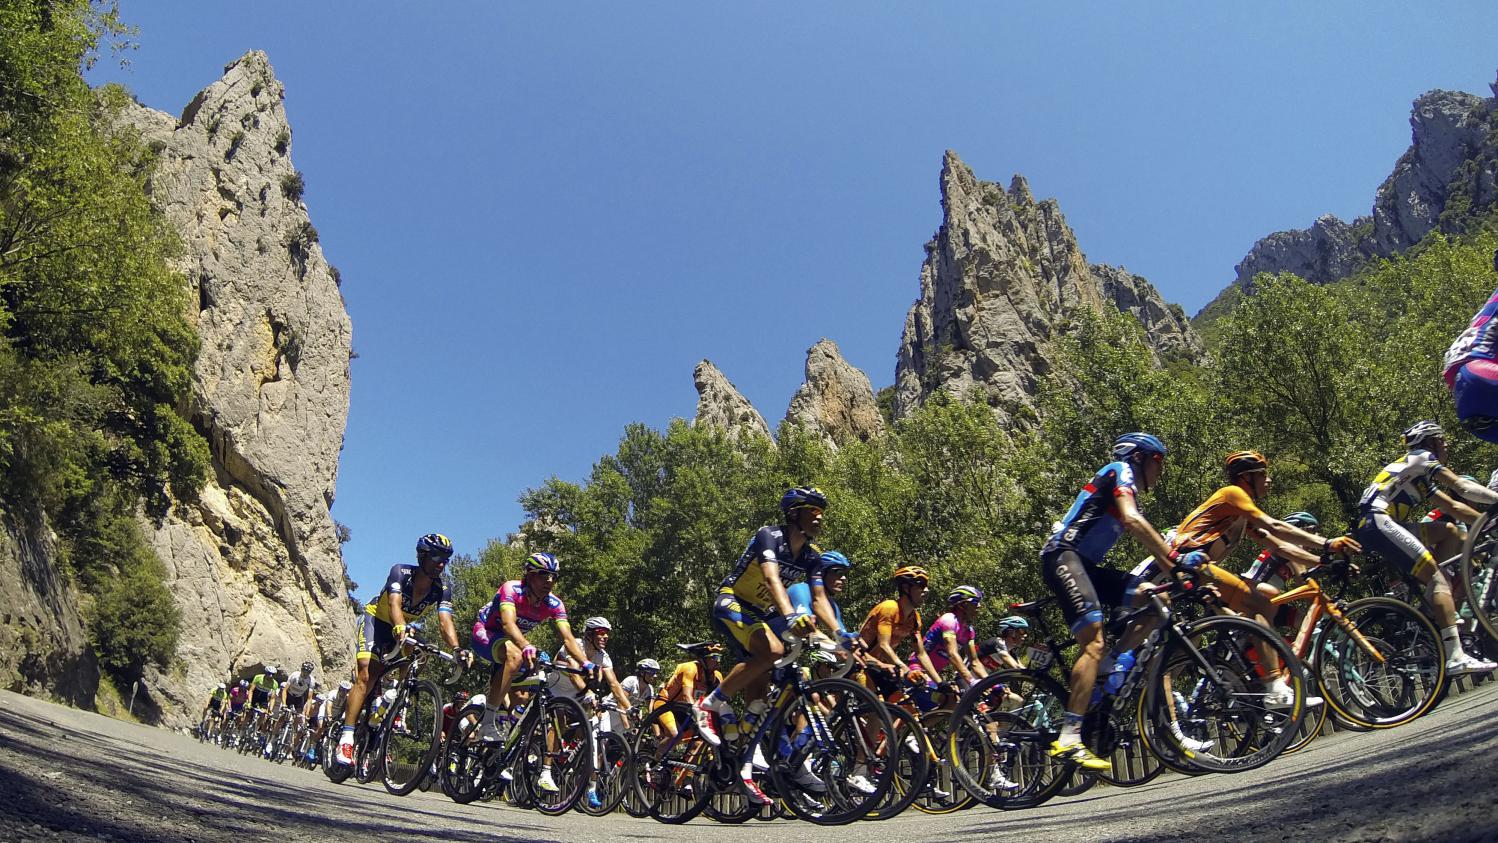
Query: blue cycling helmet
point(1303, 520)
point(1129, 443)
point(833, 559)
point(542, 562)
point(1013, 622)
point(802, 496)
point(434, 544)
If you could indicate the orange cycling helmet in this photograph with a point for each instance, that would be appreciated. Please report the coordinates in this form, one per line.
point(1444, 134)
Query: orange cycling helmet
point(1242, 462)
point(910, 573)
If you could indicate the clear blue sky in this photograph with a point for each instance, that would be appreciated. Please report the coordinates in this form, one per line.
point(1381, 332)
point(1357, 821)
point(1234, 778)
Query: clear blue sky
point(546, 214)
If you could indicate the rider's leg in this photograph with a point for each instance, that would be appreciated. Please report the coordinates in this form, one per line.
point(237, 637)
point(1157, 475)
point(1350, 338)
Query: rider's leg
point(1083, 677)
point(500, 676)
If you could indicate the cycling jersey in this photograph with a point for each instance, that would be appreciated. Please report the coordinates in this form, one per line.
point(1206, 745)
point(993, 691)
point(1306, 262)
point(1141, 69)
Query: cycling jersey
point(1223, 516)
point(561, 683)
point(439, 594)
point(800, 596)
point(488, 627)
point(675, 688)
point(886, 616)
point(262, 688)
point(1268, 567)
point(299, 685)
point(747, 580)
point(946, 628)
point(1402, 486)
point(237, 696)
point(1091, 527)
point(1478, 342)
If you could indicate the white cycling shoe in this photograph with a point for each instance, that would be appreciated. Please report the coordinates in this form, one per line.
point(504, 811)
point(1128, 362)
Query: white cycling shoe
point(544, 782)
point(1462, 664)
point(1192, 744)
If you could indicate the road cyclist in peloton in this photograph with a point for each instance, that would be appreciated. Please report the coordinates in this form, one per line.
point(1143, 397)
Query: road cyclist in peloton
point(1386, 525)
point(518, 607)
point(264, 690)
point(1470, 370)
point(295, 694)
point(690, 680)
point(1226, 517)
point(889, 624)
point(1102, 511)
point(596, 632)
point(639, 687)
point(952, 639)
point(410, 591)
point(998, 653)
point(753, 611)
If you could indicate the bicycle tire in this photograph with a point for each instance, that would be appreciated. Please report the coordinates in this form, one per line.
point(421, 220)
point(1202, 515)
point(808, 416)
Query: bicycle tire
point(1315, 720)
point(566, 724)
point(942, 794)
point(1479, 571)
point(912, 768)
point(416, 713)
point(845, 721)
point(1020, 739)
point(612, 773)
point(1223, 699)
point(672, 772)
point(336, 773)
point(1410, 680)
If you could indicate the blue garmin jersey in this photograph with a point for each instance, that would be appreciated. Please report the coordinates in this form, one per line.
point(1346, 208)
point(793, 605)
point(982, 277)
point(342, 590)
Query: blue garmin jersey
point(1091, 527)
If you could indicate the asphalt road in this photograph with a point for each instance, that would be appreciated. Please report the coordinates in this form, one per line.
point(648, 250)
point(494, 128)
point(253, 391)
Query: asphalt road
point(71, 775)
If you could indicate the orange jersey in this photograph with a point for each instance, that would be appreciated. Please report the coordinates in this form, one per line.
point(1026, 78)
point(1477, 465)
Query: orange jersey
point(1222, 517)
point(673, 692)
point(886, 615)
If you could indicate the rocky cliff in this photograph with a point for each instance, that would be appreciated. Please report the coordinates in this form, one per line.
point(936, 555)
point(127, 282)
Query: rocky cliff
point(836, 402)
point(45, 648)
point(1447, 179)
point(255, 565)
point(1002, 277)
point(721, 405)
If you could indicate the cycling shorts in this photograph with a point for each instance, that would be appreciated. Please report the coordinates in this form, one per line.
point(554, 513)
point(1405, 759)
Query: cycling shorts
point(375, 636)
point(882, 682)
point(738, 620)
point(1475, 391)
point(215, 706)
point(1082, 588)
point(1401, 545)
point(296, 703)
point(259, 698)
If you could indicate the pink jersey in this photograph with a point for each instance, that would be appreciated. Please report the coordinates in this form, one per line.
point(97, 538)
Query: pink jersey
point(528, 615)
point(945, 626)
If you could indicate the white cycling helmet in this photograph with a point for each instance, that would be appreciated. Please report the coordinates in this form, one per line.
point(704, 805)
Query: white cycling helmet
point(597, 623)
point(649, 664)
point(345, 686)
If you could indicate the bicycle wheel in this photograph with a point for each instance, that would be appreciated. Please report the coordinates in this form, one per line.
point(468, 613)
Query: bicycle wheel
point(912, 767)
point(942, 794)
point(831, 762)
point(612, 774)
point(1315, 719)
point(560, 741)
point(1386, 667)
point(1206, 690)
point(1017, 715)
point(1079, 783)
point(672, 772)
point(408, 743)
point(1119, 739)
point(1479, 572)
point(336, 773)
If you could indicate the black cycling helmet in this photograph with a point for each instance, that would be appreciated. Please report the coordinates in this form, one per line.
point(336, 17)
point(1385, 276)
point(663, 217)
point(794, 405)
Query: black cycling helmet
point(802, 496)
point(433, 547)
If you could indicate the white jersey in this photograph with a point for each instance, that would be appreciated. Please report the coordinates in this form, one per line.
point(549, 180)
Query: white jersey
point(561, 683)
point(1403, 486)
point(300, 685)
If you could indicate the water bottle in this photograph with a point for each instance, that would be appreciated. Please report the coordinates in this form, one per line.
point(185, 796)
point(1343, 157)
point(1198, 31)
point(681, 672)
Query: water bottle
point(730, 725)
point(1120, 672)
point(752, 717)
point(1104, 672)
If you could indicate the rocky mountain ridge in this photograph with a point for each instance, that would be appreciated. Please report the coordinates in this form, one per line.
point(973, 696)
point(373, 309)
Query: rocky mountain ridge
point(1445, 180)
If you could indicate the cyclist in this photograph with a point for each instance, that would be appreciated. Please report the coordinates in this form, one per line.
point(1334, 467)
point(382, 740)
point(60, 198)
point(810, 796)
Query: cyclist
point(1385, 524)
point(640, 686)
point(1470, 370)
point(888, 624)
point(263, 689)
point(215, 705)
point(518, 607)
point(1227, 516)
point(296, 690)
point(410, 591)
point(819, 591)
point(998, 653)
point(950, 640)
point(238, 696)
point(1070, 559)
point(690, 680)
point(596, 632)
point(753, 594)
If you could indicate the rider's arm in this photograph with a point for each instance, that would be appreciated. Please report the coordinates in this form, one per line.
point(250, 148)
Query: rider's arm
point(821, 606)
point(782, 601)
point(1140, 528)
point(621, 698)
point(884, 647)
point(393, 605)
point(1288, 542)
point(1469, 491)
point(954, 658)
point(977, 663)
point(449, 632)
point(574, 649)
point(1454, 507)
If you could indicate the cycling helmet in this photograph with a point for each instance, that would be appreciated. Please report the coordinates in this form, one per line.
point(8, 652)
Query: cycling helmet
point(222, 686)
point(345, 686)
point(306, 667)
point(702, 649)
point(910, 573)
point(270, 670)
point(460, 699)
point(597, 623)
point(1303, 520)
point(434, 545)
point(1013, 622)
point(1243, 462)
point(802, 496)
point(244, 683)
point(821, 655)
point(1422, 431)
point(833, 559)
point(966, 594)
point(543, 562)
point(649, 664)
point(1128, 444)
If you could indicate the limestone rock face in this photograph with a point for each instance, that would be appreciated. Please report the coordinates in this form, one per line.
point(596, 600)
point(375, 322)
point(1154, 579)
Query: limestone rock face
point(255, 565)
point(721, 405)
point(1166, 328)
point(1002, 277)
point(837, 401)
point(43, 646)
point(1447, 178)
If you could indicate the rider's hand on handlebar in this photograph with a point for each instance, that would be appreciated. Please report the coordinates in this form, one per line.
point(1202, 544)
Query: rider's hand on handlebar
point(1192, 561)
point(465, 658)
point(1343, 545)
point(803, 624)
point(528, 655)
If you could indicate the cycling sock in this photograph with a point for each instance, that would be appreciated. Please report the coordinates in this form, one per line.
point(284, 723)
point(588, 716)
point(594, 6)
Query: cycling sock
point(1452, 642)
point(490, 712)
point(1071, 730)
point(347, 735)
